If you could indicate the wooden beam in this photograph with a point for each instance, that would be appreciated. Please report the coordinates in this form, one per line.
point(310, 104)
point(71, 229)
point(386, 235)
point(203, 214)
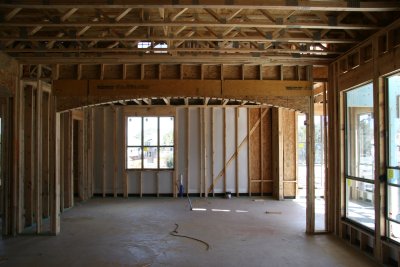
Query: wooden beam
point(236, 151)
point(187, 149)
point(212, 151)
point(12, 13)
point(248, 152)
point(310, 208)
point(261, 132)
point(277, 147)
point(46, 154)
point(55, 170)
point(310, 5)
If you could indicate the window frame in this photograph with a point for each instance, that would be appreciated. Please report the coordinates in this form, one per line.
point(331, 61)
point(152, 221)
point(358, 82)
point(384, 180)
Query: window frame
point(388, 219)
point(158, 147)
point(347, 142)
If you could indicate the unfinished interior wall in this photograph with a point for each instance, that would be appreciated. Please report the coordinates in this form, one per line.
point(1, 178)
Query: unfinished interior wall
point(212, 152)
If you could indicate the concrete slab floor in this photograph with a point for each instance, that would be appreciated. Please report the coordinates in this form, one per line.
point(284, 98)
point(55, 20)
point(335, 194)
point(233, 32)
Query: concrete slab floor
point(136, 232)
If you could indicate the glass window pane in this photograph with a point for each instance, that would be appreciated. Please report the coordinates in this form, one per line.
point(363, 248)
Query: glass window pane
point(360, 132)
point(393, 176)
point(360, 202)
point(134, 131)
point(166, 131)
point(166, 157)
point(150, 131)
point(394, 120)
point(393, 201)
point(150, 156)
point(394, 231)
point(134, 158)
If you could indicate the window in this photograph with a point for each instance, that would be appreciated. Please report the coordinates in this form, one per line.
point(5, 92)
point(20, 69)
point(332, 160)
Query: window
point(159, 45)
point(360, 159)
point(393, 171)
point(150, 143)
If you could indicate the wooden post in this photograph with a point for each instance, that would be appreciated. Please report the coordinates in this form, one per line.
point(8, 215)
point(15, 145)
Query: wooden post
point(187, 149)
point(29, 154)
point(38, 156)
point(141, 184)
point(104, 153)
point(115, 151)
point(261, 153)
point(158, 184)
point(248, 152)
point(205, 154)
point(212, 150)
point(236, 152)
point(54, 168)
point(277, 147)
point(310, 211)
point(224, 146)
point(201, 143)
point(125, 172)
point(45, 162)
point(175, 175)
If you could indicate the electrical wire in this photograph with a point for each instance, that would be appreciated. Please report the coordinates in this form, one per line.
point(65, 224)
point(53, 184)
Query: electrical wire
point(175, 233)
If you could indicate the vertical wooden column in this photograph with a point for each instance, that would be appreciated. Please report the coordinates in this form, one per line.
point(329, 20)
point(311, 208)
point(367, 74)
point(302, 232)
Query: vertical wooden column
point(212, 150)
point(104, 153)
point(187, 149)
point(261, 153)
point(62, 160)
point(29, 149)
point(205, 154)
point(141, 184)
point(115, 151)
point(310, 211)
point(68, 166)
point(125, 172)
point(81, 159)
point(175, 174)
point(236, 151)
point(380, 160)
point(55, 170)
point(201, 159)
point(224, 146)
point(326, 157)
point(38, 155)
point(277, 148)
point(248, 152)
point(45, 162)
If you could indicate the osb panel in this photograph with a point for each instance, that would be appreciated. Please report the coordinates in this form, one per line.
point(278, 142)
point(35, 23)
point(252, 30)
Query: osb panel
point(271, 73)
point(289, 149)
point(251, 72)
point(267, 144)
point(289, 189)
point(90, 72)
point(133, 72)
point(268, 187)
point(8, 73)
point(191, 72)
point(113, 72)
point(67, 72)
point(151, 72)
point(254, 146)
point(170, 71)
point(256, 187)
point(232, 72)
point(289, 73)
point(212, 72)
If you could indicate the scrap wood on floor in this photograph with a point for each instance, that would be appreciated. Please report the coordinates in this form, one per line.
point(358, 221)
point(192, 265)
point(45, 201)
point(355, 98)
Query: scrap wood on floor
point(175, 233)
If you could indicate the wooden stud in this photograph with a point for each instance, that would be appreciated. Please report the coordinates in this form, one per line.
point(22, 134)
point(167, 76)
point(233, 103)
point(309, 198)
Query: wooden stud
point(224, 148)
point(55, 169)
point(205, 154)
point(29, 154)
point(175, 177)
point(212, 149)
point(115, 151)
point(125, 171)
point(248, 153)
point(326, 157)
point(124, 71)
point(104, 153)
point(236, 152)
point(310, 211)
point(261, 153)
point(187, 149)
point(158, 184)
point(46, 153)
point(141, 184)
point(38, 157)
point(201, 144)
point(277, 147)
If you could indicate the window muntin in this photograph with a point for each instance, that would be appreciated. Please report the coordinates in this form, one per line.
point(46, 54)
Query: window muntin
point(393, 146)
point(150, 143)
point(360, 157)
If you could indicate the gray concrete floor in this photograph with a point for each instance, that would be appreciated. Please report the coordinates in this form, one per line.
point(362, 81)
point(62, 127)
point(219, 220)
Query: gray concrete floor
point(136, 232)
